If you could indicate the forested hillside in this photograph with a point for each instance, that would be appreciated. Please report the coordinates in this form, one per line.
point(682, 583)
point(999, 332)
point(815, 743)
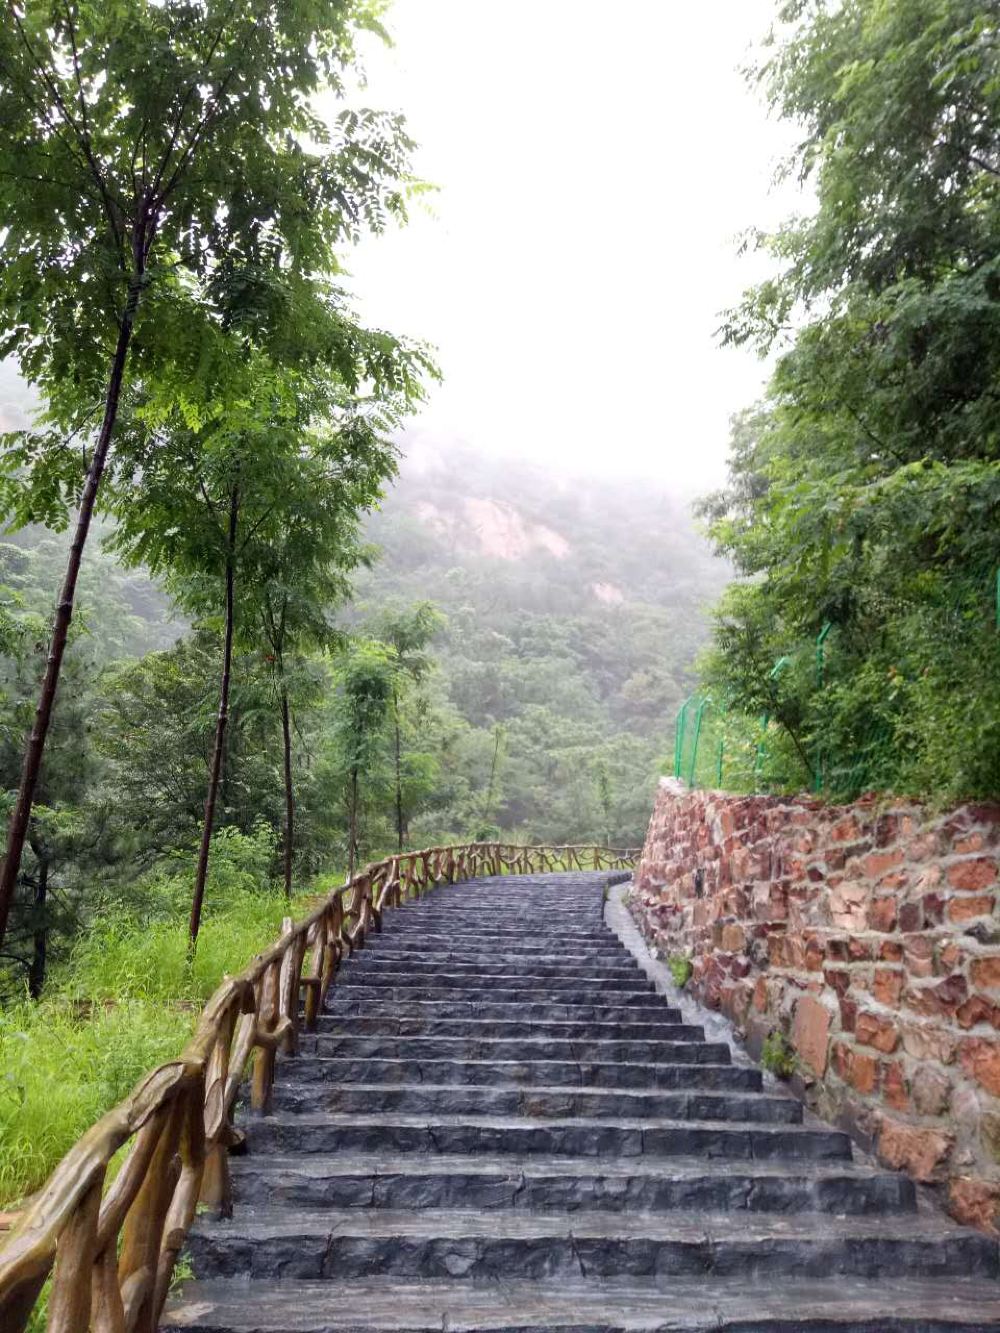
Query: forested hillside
point(574, 610)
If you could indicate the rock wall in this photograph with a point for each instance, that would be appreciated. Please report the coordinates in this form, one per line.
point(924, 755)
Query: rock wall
point(869, 935)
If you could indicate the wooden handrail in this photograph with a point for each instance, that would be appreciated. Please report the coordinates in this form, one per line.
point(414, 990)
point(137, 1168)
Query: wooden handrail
point(111, 1251)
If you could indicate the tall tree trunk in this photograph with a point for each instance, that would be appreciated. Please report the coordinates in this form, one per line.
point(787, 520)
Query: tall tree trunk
point(352, 825)
point(40, 935)
point(400, 825)
point(20, 815)
point(286, 737)
point(198, 897)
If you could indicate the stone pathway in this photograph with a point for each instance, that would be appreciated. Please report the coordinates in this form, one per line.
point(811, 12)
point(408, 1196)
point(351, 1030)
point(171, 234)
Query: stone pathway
point(500, 1125)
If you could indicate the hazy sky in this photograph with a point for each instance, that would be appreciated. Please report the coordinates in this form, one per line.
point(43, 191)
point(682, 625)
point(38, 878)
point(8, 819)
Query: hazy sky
point(596, 163)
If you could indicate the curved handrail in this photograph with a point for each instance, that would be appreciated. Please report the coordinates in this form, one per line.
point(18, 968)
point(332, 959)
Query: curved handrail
point(112, 1252)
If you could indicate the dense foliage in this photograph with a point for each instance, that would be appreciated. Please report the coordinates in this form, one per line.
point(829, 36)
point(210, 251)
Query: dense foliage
point(865, 490)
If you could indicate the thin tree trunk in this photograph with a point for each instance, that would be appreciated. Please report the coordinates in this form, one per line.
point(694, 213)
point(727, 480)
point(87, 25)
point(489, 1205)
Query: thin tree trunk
point(286, 736)
point(20, 815)
point(222, 718)
point(40, 935)
point(493, 774)
point(352, 830)
point(400, 826)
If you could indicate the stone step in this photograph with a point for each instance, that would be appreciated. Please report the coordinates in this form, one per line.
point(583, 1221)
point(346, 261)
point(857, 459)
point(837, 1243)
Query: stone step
point(460, 931)
point(631, 1305)
point(660, 1050)
point(401, 996)
point(534, 1103)
point(527, 1073)
point(557, 1184)
point(626, 986)
point(341, 1005)
point(286, 1132)
point(605, 945)
point(485, 972)
point(275, 1243)
point(438, 948)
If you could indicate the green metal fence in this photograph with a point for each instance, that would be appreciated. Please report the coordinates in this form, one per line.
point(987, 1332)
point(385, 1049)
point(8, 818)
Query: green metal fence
point(840, 732)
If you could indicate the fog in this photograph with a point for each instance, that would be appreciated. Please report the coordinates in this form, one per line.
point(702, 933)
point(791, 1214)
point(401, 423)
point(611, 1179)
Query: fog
point(595, 166)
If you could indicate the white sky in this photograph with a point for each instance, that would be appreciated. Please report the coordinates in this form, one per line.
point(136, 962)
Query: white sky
point(596, 163)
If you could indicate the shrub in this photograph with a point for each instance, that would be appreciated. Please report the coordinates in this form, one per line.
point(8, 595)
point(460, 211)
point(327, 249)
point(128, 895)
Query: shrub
point(680, 969)
point(777, 1055)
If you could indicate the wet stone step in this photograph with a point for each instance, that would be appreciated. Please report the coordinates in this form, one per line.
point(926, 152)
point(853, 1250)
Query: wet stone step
point(287, 1132)
point(486, 971)
point(278, 1243)
point(596, 1305)
point(401, 996)
point(537, 1103)
point(546, 1073)
point(512, 932)
point(602, 1051)
point(428, 947)
point(557, 1184)
point(469, 947)
point(471, 982)
point(500, 1127)
point(519, 1016)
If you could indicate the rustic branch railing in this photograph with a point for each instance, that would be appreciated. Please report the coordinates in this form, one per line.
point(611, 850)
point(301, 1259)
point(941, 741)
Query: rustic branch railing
point(111, 1251)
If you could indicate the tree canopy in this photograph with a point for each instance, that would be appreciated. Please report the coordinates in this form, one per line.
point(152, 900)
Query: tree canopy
point(864, 493)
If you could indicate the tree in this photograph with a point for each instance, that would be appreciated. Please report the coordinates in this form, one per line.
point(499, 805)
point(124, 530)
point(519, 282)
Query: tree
point(299, 572)
point(363, 701)
point(864, 489)
point(154, 161)
point(408, 634)
point(284, 457)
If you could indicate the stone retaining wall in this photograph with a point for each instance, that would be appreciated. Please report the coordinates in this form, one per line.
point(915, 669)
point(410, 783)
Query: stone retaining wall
point(869, 935)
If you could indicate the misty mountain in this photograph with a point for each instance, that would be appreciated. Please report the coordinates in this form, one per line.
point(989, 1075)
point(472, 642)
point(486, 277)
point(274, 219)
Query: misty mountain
point(575, 611)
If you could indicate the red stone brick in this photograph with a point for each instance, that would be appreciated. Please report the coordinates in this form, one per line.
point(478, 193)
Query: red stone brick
point(848, 1013)
point(928, 1043)
point(965, 909)
point(930, 1090)
point(894, 1089)
point(857, 1068)
point(922, 1152)
point(887, 986)
point(810, 1032)
point(985, 972)
point(858, 950)
point(882, 915)
point(975, 1010)
point(873, 1030)
point(975, 1203)
point(934, 906)
point(972, 842)
point(973, 875)
point(845, 830)
point(980, 1058)
point(733, 938)
point(838, 979)
point(918, 954)
point(876, 864)
point(849, 906)
point(890, 951)
point(911, 917)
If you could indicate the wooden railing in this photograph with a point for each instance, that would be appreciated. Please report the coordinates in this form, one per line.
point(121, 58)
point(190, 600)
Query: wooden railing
point(111, 1248)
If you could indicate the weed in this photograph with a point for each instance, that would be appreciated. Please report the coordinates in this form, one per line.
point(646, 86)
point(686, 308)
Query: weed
point(680, 969)
point(778, 1056)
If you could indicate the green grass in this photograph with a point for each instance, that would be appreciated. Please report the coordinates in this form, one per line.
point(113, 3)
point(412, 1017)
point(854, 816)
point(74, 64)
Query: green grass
point(127, 1000)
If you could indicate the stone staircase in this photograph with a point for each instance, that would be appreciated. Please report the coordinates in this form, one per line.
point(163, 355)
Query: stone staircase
point(500, 1125)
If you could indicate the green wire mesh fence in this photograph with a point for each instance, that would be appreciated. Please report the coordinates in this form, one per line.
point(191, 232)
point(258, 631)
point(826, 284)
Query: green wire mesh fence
point(842, 722)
